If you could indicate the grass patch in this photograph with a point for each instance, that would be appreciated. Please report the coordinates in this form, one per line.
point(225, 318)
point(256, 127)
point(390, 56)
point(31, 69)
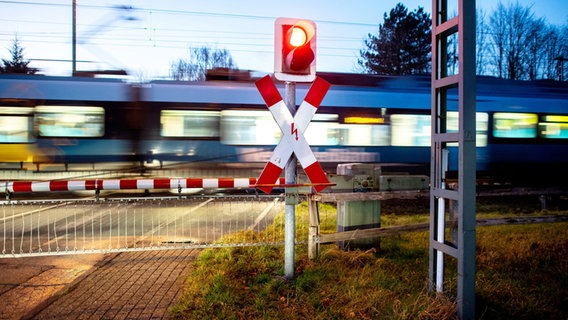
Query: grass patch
point(522, 273)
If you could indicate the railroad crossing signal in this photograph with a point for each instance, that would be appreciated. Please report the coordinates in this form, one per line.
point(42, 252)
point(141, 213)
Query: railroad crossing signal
point(293, 140)
point(294, 50)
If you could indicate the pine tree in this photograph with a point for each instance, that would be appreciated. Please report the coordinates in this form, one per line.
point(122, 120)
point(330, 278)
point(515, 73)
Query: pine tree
point(402, 46)
point(18, 64)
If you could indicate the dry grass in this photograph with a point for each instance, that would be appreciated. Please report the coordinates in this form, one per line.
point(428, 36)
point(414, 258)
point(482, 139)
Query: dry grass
point(522, 273)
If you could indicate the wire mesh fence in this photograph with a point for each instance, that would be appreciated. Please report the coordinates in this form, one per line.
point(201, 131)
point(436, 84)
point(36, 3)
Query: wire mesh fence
point(114, 225)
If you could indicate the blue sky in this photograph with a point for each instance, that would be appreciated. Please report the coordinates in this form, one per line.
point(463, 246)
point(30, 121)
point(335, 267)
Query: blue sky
point(162, 31)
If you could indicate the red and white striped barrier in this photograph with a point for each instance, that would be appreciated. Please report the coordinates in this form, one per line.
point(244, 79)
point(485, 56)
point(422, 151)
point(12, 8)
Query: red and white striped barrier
point(130, 184)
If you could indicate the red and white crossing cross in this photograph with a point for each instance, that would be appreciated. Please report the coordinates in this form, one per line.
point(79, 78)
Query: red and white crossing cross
point(293, 140)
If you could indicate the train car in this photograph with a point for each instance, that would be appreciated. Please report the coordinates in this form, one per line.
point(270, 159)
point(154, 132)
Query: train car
point(64, 120)
point(228, 121)
point(522, 127)
point(527, 129)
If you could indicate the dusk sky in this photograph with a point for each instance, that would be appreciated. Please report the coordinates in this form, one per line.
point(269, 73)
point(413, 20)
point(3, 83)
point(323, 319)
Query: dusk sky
point(146, 39)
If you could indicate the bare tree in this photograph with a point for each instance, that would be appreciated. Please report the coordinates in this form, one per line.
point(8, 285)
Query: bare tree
point(520, 46)
point(536, 47)
point(551, 49)
point(481, 43)
point(563, 56)
point(497, 32)
point(516, 40)
point(554, 52)
point(200, 60)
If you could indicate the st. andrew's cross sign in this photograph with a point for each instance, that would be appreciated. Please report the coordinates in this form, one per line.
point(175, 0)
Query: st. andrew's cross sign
point(293, 140)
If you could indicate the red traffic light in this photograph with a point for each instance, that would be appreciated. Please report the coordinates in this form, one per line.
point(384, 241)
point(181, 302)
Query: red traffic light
point(295, 50)
point(297, 36)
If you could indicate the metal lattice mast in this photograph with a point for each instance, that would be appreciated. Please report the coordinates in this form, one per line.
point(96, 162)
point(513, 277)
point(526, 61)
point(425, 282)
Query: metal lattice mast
point(445, 201)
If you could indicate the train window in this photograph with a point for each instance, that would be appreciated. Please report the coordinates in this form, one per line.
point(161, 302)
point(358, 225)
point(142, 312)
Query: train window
point(515, 125)
point(70, 121)
point(247, 127)
point(481, 125)
point(323, 130)
point(323, 134)
point(410, 130)
point(364, 135)
point(189, 123)
point(365, 130)
point(16, 125)
point(554, 127)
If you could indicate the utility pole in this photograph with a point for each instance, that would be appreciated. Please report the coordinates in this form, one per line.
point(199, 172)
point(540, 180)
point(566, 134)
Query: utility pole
point(560, 67)
point(74, 39)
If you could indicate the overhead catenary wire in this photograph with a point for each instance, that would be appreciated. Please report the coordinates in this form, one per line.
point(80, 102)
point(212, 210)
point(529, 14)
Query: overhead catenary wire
point(175, 32)
point(108, 49)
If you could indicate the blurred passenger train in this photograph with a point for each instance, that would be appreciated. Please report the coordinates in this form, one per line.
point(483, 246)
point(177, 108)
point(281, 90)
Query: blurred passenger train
point(522, 127)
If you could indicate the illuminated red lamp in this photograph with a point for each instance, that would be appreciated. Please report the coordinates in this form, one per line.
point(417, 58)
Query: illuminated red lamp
point(294, 50)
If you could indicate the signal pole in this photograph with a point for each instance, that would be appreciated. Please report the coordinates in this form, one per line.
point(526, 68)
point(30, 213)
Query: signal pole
point(291, 194)
point(294, 61)
point(74, 39)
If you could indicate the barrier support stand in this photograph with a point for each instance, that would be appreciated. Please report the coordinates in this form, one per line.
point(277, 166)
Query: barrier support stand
point(314, 228)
